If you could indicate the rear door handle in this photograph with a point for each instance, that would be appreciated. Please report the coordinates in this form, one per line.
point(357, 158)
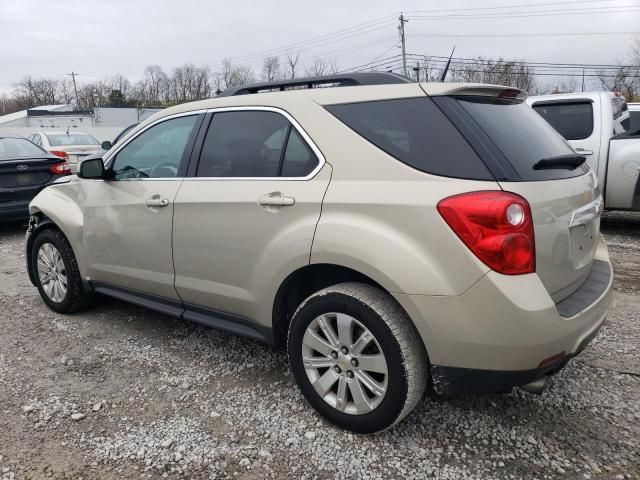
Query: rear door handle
point(583, 151)
point(276, 199)
point(156, 201)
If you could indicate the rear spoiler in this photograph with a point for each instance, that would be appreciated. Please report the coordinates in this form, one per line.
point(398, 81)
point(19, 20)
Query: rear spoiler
point(477, 90)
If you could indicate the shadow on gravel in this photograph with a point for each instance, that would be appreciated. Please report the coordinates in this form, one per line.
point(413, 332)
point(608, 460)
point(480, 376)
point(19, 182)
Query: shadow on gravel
point(621, 223)
point(12, 227)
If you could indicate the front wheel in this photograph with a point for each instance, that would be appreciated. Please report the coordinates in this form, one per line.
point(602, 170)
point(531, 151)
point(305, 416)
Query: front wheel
point(56, 273)
point(357, 357)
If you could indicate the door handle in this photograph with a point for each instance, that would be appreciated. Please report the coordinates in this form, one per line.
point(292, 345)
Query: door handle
point(583, 151)
point(276, 199)
point(156, 201)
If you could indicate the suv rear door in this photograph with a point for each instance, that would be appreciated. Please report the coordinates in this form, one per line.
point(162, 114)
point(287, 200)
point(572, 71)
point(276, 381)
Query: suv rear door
point(246, 215)
point(565, 200)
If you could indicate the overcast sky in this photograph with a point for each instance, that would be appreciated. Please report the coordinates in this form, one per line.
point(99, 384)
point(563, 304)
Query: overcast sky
point(97, 38)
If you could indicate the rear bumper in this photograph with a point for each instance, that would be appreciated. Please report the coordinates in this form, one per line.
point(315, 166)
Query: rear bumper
point(451, 381)
point(504, 331)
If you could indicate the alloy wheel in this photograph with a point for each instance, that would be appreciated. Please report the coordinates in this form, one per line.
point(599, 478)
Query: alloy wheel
point(52, 272)
point(344, 363)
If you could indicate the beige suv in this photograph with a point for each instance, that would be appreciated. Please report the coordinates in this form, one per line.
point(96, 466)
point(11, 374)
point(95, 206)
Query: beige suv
point(391, 235)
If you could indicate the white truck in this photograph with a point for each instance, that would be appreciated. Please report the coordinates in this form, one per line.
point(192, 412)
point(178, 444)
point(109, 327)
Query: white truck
point(599, 126)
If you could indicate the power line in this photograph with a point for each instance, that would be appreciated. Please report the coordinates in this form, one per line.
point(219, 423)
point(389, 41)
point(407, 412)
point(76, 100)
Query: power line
point(577, 65)
point(538, 13)
point(506, 7)
point(505, 35)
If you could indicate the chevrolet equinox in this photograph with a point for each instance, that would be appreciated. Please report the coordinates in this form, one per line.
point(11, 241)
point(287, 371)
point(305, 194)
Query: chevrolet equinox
point(391, 235)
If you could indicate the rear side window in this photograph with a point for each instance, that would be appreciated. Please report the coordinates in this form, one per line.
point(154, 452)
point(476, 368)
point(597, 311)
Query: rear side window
point(254, 144)
point(415, 132)
point(574, 121)
point(521, 135)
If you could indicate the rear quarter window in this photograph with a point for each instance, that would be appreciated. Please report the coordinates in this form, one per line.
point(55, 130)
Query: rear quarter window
point(415, 132)
point(574, 121)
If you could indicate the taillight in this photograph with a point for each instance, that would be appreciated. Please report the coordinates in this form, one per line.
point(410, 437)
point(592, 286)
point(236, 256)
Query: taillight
point(60, 154)
point(496, 226)
point(61, 168)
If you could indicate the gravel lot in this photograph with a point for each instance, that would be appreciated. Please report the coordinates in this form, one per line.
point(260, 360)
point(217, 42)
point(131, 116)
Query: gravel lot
point(122, 392)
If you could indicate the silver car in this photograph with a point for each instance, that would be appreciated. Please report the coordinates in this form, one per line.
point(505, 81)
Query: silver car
point(390, 235)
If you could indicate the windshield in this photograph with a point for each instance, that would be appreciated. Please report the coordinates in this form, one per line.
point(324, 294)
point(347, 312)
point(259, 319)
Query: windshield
point(19, 148)
point(64, 139)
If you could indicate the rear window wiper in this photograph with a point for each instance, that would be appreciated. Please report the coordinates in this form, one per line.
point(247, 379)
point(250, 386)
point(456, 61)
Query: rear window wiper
point(569, 161)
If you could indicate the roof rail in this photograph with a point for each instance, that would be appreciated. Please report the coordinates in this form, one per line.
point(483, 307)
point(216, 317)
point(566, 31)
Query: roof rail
point(336, 80)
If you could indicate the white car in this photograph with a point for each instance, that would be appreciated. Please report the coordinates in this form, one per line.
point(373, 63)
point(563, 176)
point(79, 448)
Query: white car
point(71, 146)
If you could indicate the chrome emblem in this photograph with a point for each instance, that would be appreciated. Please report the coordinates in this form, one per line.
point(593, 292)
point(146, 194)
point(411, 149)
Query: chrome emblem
point(23, 167)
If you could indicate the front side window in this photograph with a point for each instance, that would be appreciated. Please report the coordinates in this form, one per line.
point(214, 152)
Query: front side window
point(574, 121)
point(155, 153)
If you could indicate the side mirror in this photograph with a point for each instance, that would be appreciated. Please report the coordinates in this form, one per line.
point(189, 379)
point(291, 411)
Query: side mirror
point(106, 145)
point(91, 168)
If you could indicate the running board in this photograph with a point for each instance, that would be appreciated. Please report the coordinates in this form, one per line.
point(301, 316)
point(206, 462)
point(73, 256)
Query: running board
point(205, 316)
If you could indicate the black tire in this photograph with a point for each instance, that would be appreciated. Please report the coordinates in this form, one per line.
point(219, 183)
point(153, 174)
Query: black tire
point(406, 357)
point(76, 297)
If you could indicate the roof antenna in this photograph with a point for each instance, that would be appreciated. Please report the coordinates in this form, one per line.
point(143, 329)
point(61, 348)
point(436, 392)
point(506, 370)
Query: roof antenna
point(446, 68)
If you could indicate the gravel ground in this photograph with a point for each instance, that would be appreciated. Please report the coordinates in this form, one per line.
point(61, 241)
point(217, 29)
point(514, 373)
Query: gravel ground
point(122, 392)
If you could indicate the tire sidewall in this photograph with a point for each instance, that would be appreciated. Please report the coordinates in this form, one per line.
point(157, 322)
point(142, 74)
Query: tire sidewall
point(397, 387)
point(52, 237)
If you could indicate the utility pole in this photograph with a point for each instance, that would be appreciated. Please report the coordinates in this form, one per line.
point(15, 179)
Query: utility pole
point(583, 79)
point(404, 52)
point(75, 88)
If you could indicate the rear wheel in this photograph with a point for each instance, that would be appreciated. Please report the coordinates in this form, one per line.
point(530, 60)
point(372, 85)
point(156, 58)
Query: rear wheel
point(357, 357)
point(56, 273)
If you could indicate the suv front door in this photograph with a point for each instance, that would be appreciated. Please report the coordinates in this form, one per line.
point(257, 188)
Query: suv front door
point(247, 216)
point(128, 216)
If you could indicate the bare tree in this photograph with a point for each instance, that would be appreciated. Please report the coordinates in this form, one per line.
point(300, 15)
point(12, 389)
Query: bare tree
point(291, 65)
point(155, 81)
point(320, 67)
point(514, 73)
point(231, 76)
point(563, 85)
point(271, 69)
point(624, 79)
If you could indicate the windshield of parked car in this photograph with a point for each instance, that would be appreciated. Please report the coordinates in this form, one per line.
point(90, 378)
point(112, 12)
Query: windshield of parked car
point(64, 139)
point(18, 148)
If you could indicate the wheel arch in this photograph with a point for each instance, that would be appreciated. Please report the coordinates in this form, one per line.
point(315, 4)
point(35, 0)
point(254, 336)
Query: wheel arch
point(39, 222)
point(307, 280)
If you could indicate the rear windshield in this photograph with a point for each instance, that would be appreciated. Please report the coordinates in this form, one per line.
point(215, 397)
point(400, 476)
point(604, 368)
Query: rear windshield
point(63, 139)
point(19, 148)
point(415, 132)
point(521, 135)
point(574, 121)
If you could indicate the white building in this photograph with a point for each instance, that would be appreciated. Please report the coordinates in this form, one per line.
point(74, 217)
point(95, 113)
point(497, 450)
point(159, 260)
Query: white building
point(104, 123)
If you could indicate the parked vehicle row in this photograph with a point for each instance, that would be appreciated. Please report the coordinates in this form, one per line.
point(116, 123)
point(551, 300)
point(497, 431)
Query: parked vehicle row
point(71, 146)
point(388, 234)
point(602, 128)
point(25, 169)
